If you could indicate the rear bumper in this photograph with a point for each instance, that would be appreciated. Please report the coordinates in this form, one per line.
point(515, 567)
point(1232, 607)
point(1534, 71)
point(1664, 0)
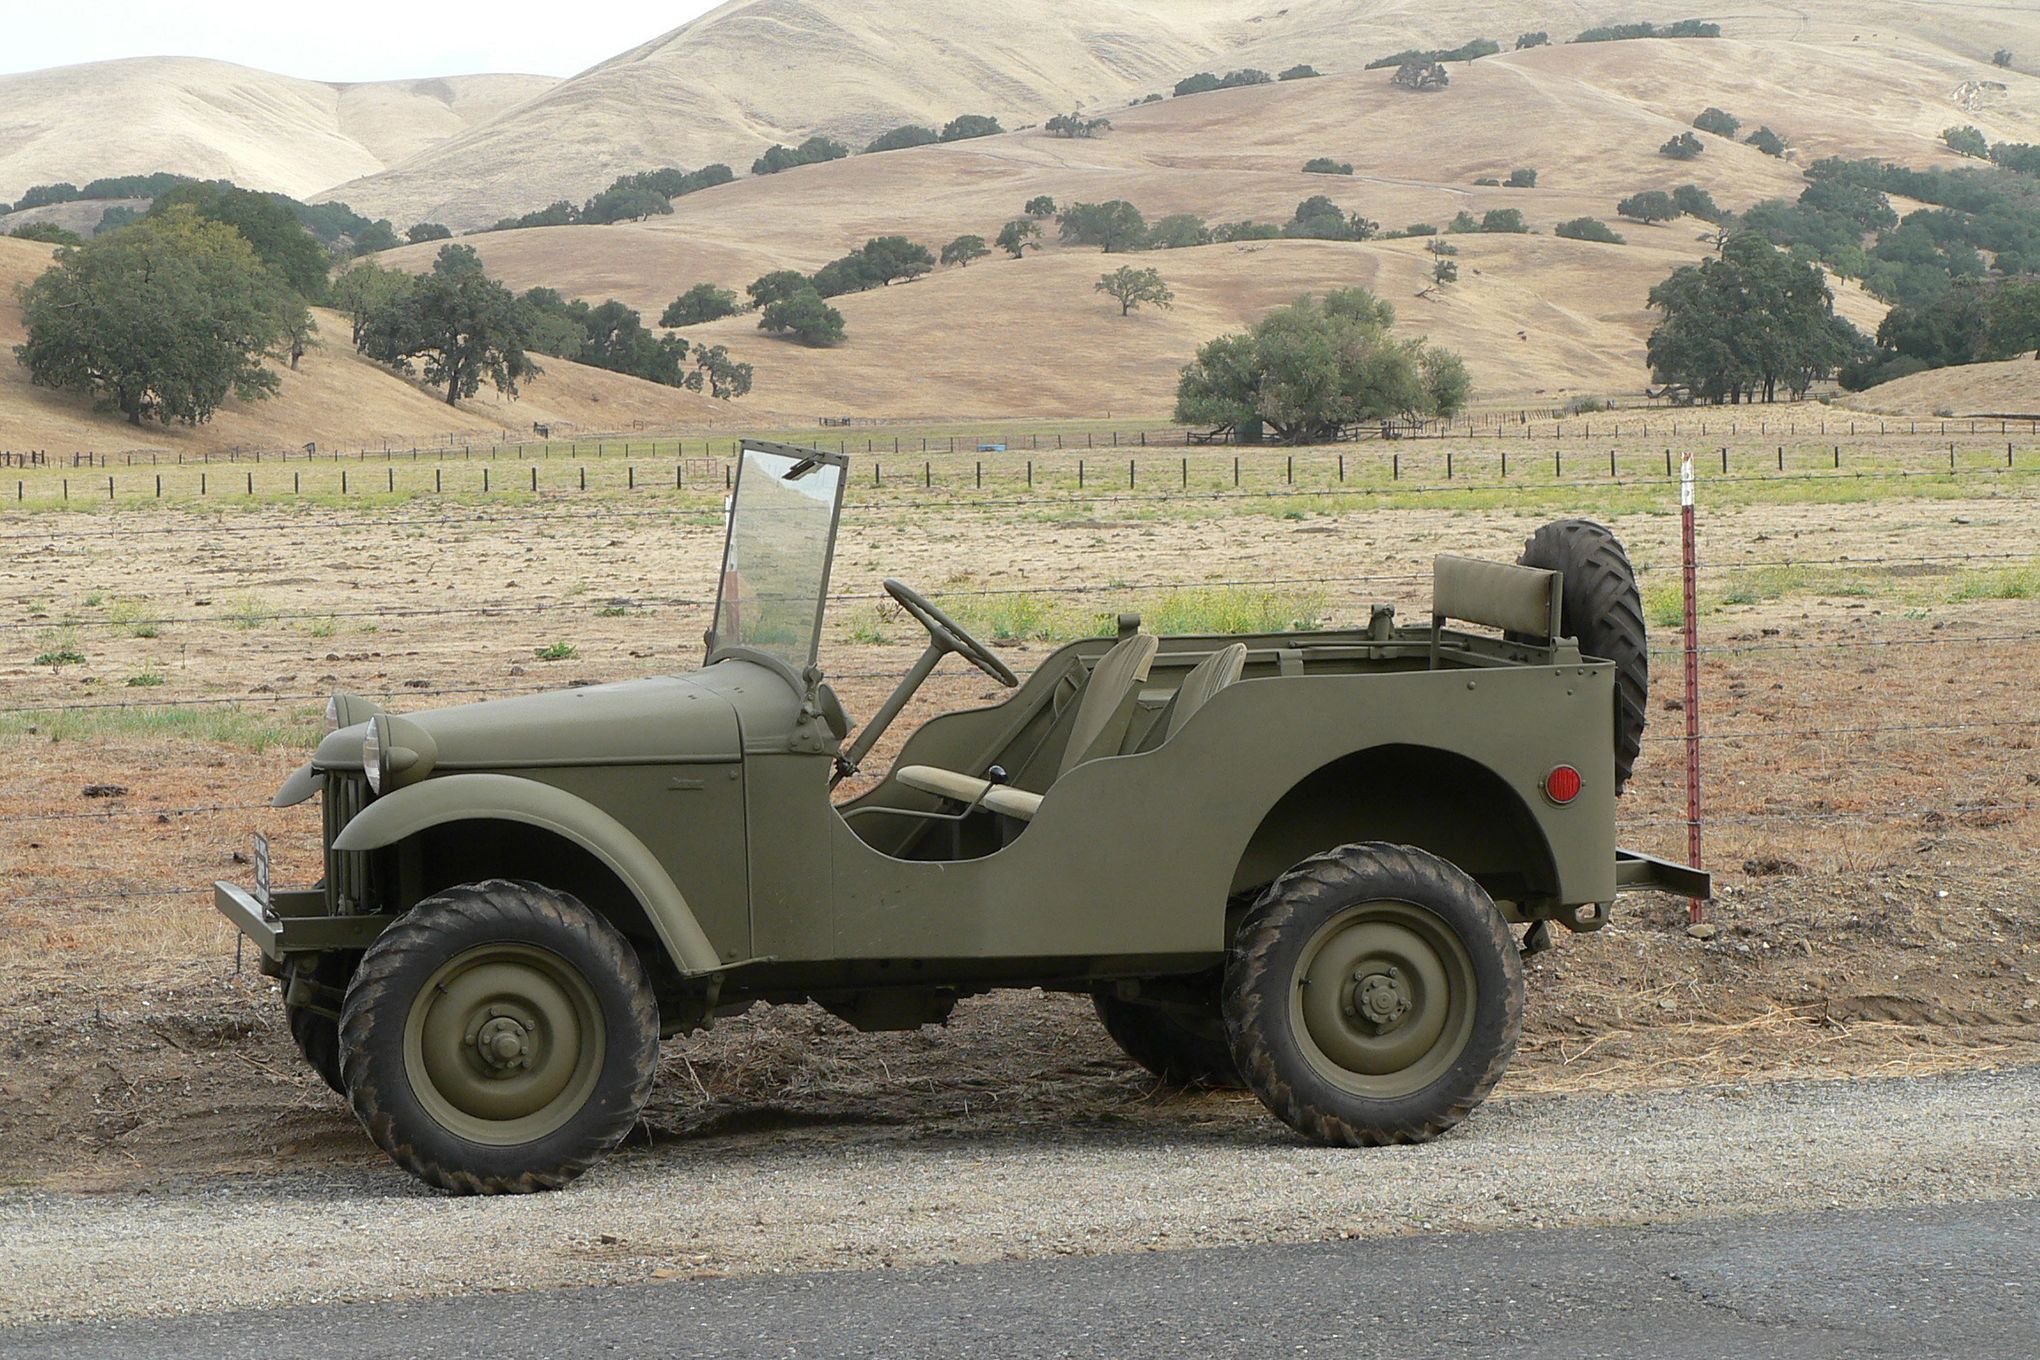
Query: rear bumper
point(1638, 872)
point(294, 922)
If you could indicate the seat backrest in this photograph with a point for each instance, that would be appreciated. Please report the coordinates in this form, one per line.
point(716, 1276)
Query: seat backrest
point(1496, 595)
point(1105, 695)
point(1205, 679)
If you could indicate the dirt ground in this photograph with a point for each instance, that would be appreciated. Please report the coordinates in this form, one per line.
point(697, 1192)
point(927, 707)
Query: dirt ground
point(1872, 760)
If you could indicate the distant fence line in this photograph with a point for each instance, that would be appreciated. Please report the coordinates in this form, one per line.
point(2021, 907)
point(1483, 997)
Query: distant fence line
point(1578, 430)
point(1411, 468)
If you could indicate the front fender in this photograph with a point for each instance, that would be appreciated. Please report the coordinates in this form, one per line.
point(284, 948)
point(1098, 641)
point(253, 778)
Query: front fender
point(304, 781)
point(500, 797)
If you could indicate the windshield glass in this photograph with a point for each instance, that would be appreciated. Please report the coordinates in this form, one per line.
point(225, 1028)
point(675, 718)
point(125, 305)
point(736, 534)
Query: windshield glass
point(782, 527)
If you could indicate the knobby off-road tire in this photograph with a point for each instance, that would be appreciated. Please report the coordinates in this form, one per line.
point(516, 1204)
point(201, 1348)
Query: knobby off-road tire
point(1602, 609)
point(318, 1036)
point(1176, 1045)
point(500, 1038)
point(318, 1040)
point(1373, 995)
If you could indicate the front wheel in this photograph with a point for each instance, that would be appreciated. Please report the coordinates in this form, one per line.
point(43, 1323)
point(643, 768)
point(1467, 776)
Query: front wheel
point(500, 1038)
point(1373, 995)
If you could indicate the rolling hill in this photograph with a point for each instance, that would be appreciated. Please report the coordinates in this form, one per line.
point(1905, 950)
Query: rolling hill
point(1535, 316)
point(213, 119)
point(1531, 314)
point(337, 399)
point(752, 72)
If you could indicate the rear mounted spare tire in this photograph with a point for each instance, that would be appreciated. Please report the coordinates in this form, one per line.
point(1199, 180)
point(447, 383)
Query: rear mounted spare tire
point(1603, 611)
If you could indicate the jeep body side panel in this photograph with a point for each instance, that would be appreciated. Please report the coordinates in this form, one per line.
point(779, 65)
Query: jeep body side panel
point(1135, 855)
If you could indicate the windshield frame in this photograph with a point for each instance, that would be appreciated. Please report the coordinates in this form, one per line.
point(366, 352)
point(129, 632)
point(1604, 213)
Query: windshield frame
point(718, 650)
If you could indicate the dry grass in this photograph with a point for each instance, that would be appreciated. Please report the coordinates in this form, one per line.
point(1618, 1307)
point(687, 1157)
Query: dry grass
point(2011, 387)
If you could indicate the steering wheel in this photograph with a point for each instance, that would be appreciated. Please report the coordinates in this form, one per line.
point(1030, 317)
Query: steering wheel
point(944, 632)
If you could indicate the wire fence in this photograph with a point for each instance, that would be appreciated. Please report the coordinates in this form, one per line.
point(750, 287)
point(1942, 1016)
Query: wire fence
point(1524, 424)
point(922, 485)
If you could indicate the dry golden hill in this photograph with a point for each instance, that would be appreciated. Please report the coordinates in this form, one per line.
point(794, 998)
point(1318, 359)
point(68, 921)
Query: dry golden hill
point(1590, 118)
point(2010, 388)
point(337, 399)
point(213, 119)
point(752, 72)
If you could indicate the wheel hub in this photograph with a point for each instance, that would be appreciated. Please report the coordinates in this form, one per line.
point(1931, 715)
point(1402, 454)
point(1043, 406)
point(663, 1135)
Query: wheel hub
point(503, 1043)
point(1381, 999)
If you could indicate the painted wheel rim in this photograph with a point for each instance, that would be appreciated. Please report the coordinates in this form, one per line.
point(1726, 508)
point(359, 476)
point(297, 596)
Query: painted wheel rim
point(1383, 999)
point(504, 1044)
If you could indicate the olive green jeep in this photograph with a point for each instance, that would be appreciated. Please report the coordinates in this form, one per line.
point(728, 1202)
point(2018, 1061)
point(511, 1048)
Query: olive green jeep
point(1294, 862)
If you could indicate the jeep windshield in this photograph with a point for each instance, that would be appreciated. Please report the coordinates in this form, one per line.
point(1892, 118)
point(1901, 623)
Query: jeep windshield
point(775, 570)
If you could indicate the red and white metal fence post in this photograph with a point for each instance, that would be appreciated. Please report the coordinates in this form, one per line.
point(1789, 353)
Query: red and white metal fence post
point(1689, 572)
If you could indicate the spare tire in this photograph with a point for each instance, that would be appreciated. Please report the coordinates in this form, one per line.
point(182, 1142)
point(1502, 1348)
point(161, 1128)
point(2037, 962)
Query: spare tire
point(1602, 610)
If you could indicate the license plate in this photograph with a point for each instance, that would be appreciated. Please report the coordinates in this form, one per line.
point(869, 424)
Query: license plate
point(262, 869)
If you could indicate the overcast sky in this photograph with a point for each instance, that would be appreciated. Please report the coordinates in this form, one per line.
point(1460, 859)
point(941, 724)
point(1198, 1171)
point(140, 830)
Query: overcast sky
point(341, 43)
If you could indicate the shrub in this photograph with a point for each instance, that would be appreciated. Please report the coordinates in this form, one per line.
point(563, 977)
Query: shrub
point(1420, 229)
point(1966, 141)
point(47, 232)
point(1299, 72)
point(966, 126)
point(702, 302)
point(1422, 76)
point(1473, 51)
point(1486, 182)
point(1201, 83)
point(1684, 28)
point(1695, 201)
point(1325, 165)
point(1076, 125)
point(1588, 229)
point(813, 151)
point(1766, 141)
point(1683, 147)
point(963, 250)
point(1653, 205)
point(1521, 179)
point(1463, 222)
point(1177, 231)
point(805, 317)
point(1720, 122)
point(1041, 205)
point(1507, 221)
point(1537, 39)
point(902, 137)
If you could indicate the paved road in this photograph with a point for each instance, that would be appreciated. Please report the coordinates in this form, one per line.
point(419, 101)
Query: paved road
point(1955, 1280)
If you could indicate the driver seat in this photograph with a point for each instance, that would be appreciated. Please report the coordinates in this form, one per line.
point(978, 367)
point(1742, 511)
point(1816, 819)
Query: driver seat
point(1105, 694)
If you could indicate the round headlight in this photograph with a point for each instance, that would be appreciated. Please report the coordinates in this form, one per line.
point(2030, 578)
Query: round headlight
point(333, 713)
point(372, 757)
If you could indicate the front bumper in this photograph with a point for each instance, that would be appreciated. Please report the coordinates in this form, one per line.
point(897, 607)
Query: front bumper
point(1638, 872)
point(294, 922)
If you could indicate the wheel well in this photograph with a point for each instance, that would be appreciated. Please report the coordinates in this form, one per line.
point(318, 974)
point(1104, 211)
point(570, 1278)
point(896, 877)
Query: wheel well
point(1439, 801)
point(469, 851)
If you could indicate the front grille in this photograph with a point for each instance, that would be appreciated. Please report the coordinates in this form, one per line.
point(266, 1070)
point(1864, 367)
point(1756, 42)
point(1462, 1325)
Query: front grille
point(346, 871)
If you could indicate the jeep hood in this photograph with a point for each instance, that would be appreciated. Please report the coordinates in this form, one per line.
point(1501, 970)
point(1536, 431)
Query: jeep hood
point(650, 721)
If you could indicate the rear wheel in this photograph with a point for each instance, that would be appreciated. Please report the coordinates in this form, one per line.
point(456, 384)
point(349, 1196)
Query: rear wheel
point(1181, 1045)
point(500, 1038)
point(1373, 995)
point(1601, 609)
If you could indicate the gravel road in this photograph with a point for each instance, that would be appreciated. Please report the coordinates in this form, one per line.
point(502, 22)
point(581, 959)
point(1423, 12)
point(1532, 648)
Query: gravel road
point(814, 1199)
